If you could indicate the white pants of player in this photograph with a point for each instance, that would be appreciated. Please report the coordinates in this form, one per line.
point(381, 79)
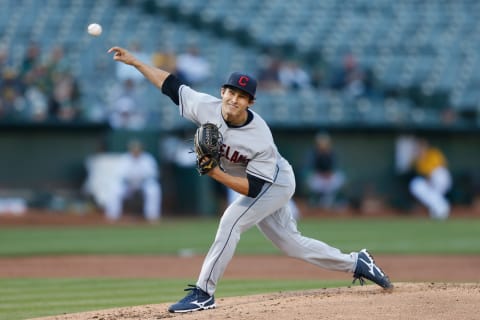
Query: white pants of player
point(431, 192)
point(152, 195)
point(271, 213)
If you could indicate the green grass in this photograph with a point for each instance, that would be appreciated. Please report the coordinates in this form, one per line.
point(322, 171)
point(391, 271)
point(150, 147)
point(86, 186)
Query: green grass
point(26, 298)
point(397, 236)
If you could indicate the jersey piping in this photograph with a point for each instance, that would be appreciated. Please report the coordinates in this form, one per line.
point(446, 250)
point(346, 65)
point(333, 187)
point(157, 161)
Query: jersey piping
point(181, 100)
point(260, 176)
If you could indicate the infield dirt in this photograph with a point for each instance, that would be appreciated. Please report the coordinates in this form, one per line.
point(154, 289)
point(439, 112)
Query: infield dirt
point(427, 301)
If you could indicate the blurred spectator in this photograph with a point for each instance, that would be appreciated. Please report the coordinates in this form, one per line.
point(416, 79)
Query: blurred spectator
point(5, 59)
point(64, 104)
point(63, 91)
point(57, 61)
point(114, 179)
point(177, 151)
point(37, 101)
point(125, 72)
point(193, 68)
point(292, 76)
point(448, 115)
point(350, 78)
point(40, 91)
point(317, 67)
point(405, 152)
point(324, 180)
point(125, 109)
point(11, 98)
point(432, 179)
point(165, 59)
point(31, 59)
point(269, 74)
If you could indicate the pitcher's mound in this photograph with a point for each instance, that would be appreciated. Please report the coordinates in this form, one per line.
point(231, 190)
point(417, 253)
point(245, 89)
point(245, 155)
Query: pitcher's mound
point(426, 301)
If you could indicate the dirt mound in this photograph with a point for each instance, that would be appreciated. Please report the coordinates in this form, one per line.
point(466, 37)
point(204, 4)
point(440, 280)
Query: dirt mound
point(408, 301)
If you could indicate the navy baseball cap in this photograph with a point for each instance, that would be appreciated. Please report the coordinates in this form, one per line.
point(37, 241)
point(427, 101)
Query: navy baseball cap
point(242, 81)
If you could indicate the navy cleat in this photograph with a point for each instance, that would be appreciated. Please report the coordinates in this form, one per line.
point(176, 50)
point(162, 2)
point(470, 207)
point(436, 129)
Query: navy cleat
point(195, 300)
point(367, 269)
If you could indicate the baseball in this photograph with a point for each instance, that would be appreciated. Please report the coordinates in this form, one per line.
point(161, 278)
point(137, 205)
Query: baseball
point(94, 29)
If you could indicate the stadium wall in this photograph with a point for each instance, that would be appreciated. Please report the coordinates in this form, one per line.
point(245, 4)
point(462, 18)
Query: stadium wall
point(49, 158)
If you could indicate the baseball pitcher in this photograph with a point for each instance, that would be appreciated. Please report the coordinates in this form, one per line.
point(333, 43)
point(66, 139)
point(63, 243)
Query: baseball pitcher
point(238, 151)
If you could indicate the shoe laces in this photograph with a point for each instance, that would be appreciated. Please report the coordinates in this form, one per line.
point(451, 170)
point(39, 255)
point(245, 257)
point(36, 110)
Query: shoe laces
point(195, 292)
point(191, 287)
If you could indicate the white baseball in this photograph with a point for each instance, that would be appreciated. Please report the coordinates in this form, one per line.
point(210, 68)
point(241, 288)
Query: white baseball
point(94, 29)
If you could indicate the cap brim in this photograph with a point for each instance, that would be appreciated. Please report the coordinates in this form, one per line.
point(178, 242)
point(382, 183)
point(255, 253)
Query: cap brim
point(228, 85)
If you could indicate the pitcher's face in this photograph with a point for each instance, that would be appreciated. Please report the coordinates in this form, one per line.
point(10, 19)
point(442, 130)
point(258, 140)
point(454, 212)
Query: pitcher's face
point(234, 105)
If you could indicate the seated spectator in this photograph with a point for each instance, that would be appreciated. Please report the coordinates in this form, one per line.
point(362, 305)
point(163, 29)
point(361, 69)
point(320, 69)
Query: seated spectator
point(323, 180)
point(193, 68)
point(126, 72)
point(292, 76)
point(11, 89)
point(31, 59)
point(432, 179)
point(36, 100)
point(125, 111)
point(41, 91)
point(269, 74)
point(57, 61)
point(350, 78)
point(65, 98)
point(165, 59)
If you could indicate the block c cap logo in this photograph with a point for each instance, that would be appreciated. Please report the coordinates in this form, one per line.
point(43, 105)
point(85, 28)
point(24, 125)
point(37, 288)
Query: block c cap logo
point(243, 82)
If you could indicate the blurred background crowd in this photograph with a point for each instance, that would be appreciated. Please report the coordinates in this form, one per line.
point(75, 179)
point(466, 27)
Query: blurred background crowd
point(369, 77)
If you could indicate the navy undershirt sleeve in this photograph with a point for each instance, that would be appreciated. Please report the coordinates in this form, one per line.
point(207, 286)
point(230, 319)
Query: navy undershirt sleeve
point(170, 88)
point(254, 185)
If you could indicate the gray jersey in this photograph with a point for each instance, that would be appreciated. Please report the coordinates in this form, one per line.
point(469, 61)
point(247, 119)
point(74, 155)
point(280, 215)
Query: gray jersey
point(251, 149)
point(247, 149)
